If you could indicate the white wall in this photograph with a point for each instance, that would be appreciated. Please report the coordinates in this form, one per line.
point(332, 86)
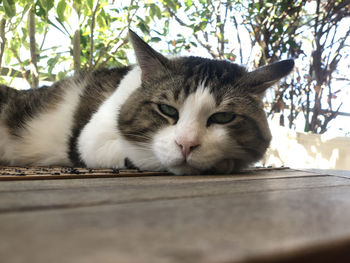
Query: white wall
point(301, 150)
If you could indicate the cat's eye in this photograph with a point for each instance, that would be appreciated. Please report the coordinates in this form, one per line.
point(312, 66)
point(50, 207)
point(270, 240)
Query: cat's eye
point(221, 118)
point(168, 111)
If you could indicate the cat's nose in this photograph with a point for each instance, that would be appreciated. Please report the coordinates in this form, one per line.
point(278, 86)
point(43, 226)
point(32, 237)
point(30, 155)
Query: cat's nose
point(187, 147)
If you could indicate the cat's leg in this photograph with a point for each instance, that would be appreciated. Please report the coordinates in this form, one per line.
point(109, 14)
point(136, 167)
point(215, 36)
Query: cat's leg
point(99, 153)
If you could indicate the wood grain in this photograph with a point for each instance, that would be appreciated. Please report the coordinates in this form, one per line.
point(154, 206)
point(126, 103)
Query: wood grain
point(44, 173)
point(268, 215)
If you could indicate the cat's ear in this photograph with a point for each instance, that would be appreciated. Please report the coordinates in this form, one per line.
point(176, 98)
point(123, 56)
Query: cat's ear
point(149, 60)
point(264, 77)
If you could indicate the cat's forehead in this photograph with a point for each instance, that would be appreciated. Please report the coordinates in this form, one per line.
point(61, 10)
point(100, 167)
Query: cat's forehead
point(201, 101)
point(193, 75)
point(197, 69)
point(216, 77)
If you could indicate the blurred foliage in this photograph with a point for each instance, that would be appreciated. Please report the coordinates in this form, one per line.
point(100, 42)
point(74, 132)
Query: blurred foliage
point(99, 46)
point(253, 33)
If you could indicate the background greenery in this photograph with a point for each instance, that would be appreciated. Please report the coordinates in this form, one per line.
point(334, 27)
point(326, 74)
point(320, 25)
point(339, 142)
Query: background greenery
point(47, 40)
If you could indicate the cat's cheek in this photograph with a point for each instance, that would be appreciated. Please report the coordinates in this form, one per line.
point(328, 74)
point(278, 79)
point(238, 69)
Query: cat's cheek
point(165, 148)
point(215, 147)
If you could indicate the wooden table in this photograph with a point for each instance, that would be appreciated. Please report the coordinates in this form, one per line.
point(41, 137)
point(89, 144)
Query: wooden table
point(268, 215)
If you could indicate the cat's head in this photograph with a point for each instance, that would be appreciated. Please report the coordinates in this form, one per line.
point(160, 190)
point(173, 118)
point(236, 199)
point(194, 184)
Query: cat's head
point(195, 114)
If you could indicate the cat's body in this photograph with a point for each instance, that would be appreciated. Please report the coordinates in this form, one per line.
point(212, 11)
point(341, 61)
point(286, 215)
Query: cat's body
point(41, 127)
point(186, 115)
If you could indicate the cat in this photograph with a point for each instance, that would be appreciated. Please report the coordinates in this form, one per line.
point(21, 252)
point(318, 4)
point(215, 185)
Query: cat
point(185, 115)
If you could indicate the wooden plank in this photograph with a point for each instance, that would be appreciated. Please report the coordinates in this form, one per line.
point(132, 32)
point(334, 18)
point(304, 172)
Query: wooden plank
point(48, 173)
point(64, 193)
point(10, 173)
point(324, 252)
point(18, 185)
point(340, 173)
point(222, 228)
point(16, 173)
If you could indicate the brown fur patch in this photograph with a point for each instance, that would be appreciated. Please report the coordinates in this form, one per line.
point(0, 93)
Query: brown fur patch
point(18, 107)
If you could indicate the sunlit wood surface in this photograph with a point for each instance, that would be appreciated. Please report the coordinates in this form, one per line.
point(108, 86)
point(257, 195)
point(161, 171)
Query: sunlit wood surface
point(265, 215)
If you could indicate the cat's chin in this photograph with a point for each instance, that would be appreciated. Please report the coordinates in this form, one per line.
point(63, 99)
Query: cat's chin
point(184, 169)
point(226, 166)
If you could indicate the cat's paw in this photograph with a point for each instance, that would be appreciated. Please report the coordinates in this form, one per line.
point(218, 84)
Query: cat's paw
point(225, 166)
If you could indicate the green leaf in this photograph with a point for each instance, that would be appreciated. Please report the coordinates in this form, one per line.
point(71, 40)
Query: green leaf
point(24, 34)
point(52, 63)
point(292, 43)
point(188, 3)
point(40, 10)
point(61, 7)
point(61, 75)
point(171, 4)
point(101, 21)
point(8, 57)
point(156, 39)
point(152, 11)
point(106, 16)
point(47, 4)
point(10, 8)
point(77, 7)
point(144, 28)
point(65, 31)
point(158, 12)
point(2, 80)
point(90, 4)
point(155, 11)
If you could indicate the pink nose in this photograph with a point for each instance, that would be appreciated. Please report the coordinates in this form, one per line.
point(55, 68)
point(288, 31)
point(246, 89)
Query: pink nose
point(186, 147)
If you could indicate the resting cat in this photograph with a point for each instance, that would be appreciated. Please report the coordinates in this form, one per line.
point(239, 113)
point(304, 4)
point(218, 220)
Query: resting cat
point(186, 115)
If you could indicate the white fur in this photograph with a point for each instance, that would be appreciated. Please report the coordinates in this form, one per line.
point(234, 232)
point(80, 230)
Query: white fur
point(142, 156)
point(100, 143)
point(45, 139)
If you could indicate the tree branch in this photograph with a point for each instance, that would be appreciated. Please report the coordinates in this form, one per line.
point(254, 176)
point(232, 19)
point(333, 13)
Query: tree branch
point(182, 23)
point(238, 39)
point(2, 38)
point(33, 51)
point(20, 62)
point(128, 14)
point(92, 34)
point(76, 51)
point(104, 51)
point(114, 52)
point(10, 72)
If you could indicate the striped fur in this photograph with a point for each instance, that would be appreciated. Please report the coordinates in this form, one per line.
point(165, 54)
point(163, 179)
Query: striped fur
point(114, 118)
